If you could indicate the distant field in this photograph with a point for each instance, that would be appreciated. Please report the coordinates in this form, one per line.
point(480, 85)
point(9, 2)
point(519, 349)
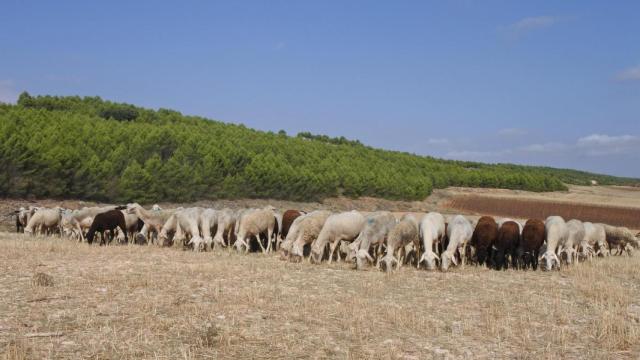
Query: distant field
point(120, 302)
point(531, 208)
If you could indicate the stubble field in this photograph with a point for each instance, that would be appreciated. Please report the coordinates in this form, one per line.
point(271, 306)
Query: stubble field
point(163, 303)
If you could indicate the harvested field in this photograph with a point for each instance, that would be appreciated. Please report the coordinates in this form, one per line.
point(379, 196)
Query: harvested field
point(162, 303)
point(541, 209)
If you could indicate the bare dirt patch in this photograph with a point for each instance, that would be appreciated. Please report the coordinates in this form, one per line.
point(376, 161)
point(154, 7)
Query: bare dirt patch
point(148, 302)
point(541, 209)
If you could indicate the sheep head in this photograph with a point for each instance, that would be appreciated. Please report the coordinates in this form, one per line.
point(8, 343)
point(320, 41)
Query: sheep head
point(550, 260)
point(362, 257)
point(429, 258)
point(447, 258)
point(388, 261)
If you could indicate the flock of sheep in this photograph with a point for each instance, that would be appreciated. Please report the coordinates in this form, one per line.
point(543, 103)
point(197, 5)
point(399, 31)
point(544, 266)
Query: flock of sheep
point(377, 238)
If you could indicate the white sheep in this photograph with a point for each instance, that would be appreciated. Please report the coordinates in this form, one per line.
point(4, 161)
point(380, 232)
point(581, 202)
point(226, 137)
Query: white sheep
point(308, 230)
point(373, 234)
point(405, 232)
point(252, 224)
point(432, 231)
point(594, 238)
point(574, 238)
point(556, 233)
point(226, 224)
point(187, 220)
point(459, 233)
point(294, 229)
point(154, 219)
point(44, 219)
point(208, 221)
point(344, 226)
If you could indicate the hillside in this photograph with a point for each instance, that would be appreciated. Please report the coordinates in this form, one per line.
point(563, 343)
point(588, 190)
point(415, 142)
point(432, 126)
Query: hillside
point(88, 148)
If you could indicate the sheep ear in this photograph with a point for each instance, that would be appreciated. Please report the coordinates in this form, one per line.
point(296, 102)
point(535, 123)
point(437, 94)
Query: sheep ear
point(453, 259)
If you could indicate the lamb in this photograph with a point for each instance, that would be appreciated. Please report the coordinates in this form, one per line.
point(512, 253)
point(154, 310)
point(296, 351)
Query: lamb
point(109, 220)
point(556, 232)
point(506, 244)
point(484, 236)
point(594, 242)
point(373, 234)
point(432, 232)
point(533, 236)
point(459, 232)
point(44, 220)
point(344, 226)
point(187, 220)
point(404, 233)
point(574, 238)
point(252, 224)
point(226, 226)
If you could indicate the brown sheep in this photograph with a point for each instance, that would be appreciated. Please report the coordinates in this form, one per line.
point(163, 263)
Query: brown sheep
point(506, 244)
point(287, 219)
point(109, 220)
point(484, 236)
point(533, 236)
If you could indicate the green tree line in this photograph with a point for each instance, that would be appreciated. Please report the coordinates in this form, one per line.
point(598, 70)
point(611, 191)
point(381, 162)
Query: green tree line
point(90, 148)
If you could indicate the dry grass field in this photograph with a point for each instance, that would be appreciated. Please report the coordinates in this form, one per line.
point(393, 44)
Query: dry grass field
point(123, 302)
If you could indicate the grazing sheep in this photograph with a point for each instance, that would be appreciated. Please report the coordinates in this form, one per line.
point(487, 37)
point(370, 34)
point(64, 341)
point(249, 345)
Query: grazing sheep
point(506, 244)
point(594, 242)
point(252, 224)
point(132, 221)
point(23, 215)
point(47, 220)
point(459, 233)
point(404, 233)
point(226, 226)
point(432, 232)
point(287, 220)
point(208, 222)
point(74, 228)
point(287, 243)
point(570, 244)
point(556, 232)
point(344, 226)
point(187, 220)
point(504, 220)
point(109, 220)
point(620, 239)
point(484, 236)
point(153, 219)
point(373, 235)
point(533, 236)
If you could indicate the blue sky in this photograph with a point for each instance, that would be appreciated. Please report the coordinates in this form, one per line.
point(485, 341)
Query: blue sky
point(547, 82)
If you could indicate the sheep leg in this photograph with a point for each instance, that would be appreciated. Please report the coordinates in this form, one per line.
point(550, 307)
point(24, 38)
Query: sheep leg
point(269, 234)
point(332, 248)
point(259, 243)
